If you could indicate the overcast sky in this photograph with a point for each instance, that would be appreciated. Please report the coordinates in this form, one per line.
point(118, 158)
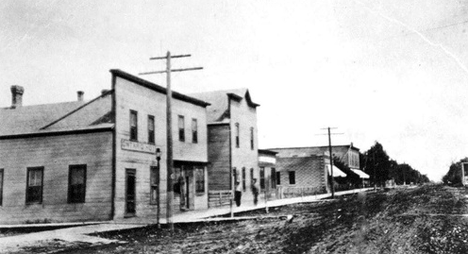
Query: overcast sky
point(388, 71)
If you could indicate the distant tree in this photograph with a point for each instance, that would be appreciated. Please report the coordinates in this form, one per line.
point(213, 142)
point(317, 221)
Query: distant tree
point(377, 160)
point(377, 164)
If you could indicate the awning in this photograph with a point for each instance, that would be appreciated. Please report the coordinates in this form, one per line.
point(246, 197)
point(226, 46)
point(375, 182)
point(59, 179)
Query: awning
point(336, 171)
point(361, 174)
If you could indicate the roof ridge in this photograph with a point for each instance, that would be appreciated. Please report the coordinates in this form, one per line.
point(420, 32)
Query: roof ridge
point(76, 110)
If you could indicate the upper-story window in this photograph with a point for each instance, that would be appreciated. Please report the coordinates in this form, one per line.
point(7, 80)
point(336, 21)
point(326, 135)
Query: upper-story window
point(133, 125)
point(251, 138)
point(194, 131)
point(181, 128)
point(150, 129)
point(237, 135)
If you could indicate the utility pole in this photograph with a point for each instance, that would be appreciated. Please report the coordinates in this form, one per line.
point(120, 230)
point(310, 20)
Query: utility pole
point(331, 157)
point(170, 162)
point(375, 177)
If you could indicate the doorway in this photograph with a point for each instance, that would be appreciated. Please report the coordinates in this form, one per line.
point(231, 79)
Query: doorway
point(130, 183)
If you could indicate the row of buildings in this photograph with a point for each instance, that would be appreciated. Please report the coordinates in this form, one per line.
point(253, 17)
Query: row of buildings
point(105, 159)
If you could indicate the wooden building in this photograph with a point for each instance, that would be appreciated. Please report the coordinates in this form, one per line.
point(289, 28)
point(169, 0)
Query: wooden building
point(348, 154)
point(95, 160)
point(232, 144)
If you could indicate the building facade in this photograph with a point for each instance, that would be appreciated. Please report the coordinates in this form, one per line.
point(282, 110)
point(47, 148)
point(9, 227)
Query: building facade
point(96, 160)
point(232, 144)
point(300, 176)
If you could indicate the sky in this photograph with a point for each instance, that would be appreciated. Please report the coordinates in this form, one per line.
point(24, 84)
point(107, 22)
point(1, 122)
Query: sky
point(388, 71)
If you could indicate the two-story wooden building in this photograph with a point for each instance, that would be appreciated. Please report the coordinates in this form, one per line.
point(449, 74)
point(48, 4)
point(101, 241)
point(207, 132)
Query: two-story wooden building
point(96, 160)
point(232, 143)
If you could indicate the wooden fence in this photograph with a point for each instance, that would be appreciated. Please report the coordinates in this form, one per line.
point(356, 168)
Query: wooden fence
point(219, 198)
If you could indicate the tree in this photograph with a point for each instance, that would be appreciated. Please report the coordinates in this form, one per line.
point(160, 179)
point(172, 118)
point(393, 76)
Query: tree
point(377, 164)
point(381, 167)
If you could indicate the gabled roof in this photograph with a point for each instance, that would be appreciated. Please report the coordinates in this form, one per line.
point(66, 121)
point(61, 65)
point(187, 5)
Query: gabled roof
point(95, 112)
point(157, 88)
point(27, 119)
point(218, 111)
point(47, 118)
point(299, 163)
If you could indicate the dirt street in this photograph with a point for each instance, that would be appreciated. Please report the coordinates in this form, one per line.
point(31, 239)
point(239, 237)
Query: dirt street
point(421, 220)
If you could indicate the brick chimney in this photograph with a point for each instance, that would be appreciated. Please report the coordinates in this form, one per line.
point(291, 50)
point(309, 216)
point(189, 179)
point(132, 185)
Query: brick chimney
point(80, 95)
point(17, 96)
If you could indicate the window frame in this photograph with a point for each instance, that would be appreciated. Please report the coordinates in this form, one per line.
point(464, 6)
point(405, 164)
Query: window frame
point(200, 180)
point(154, 184)
point(133, 129)
point(244, 175)
point(194, 131)
point(2, 176)
point(252, 145)
point(292, 180)
point(273, 178)
point(28, 194)
point(237, 134)
point(82, 197)
point(181, 119)
point(278, 178)
point(262, 178)
point(151, 133)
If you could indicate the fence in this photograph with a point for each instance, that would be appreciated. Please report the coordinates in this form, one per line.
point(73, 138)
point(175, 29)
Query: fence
point(291, 192)
point(219, 198)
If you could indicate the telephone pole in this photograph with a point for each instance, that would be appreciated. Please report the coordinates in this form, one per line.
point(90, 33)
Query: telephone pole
point(331, 157)
point(170, 162)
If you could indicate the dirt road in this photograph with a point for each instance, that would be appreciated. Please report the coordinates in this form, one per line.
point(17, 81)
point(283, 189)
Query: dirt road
point(421, 220)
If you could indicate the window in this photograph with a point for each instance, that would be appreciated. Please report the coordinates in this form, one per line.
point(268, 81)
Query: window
point(133, 125)
point(278, 178)
point(77, 184)
point(292, 177)
point(262, 178)
point(181, 128)
point(34, 185)
point(234, 172)
point(251, 174)
point(251, 138)
point(200, 180)
point(273, 178)
point(154, 180)
point(237, 135)
point(150, 129)
point(194, 131)
point(243, 179)
point(1, 186)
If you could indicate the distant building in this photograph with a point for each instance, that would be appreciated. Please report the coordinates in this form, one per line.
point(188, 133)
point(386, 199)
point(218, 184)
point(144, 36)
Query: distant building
point(267, 164)
point(232, 143)
point(348, 154)
point(95, 160)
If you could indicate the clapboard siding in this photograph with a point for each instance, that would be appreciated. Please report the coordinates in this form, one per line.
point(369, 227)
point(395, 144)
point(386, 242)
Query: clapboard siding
point(219, 155)
point(131, 96)
point(55, 154)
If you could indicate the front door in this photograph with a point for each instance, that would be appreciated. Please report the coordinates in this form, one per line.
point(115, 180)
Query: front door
point(130, 180)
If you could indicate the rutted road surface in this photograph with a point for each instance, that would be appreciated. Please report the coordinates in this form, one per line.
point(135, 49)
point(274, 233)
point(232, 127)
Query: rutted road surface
point(427, 219)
